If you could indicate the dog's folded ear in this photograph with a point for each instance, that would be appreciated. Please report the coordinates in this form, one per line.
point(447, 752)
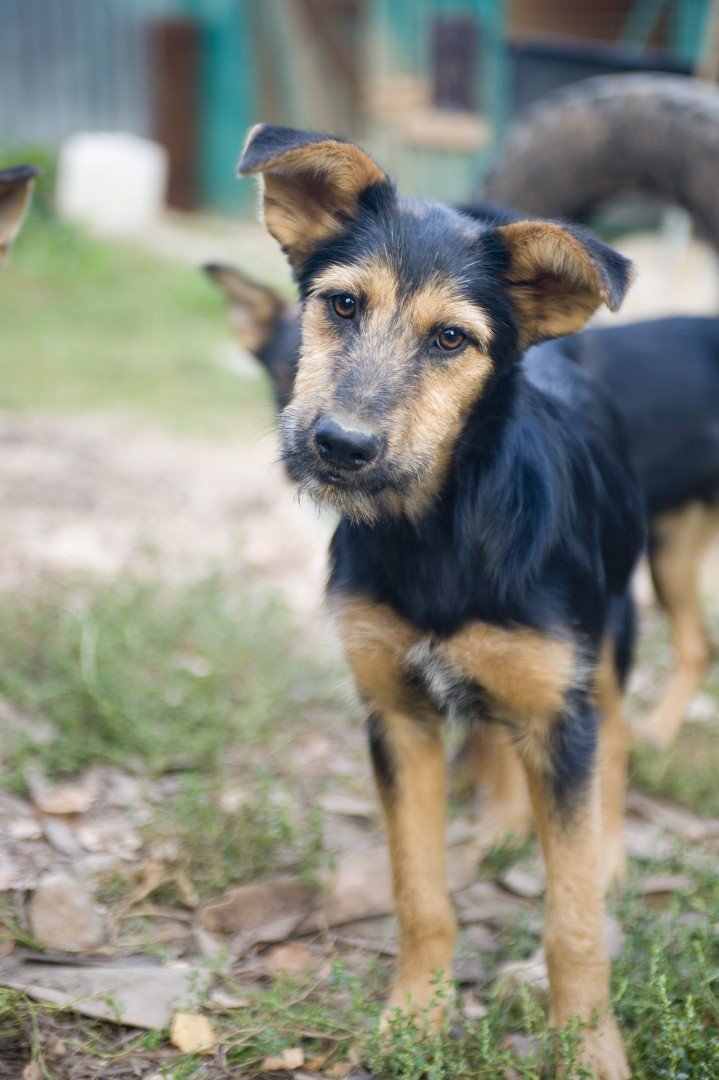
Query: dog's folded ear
point(243, 291)
point(254, 308)
point(15, 191)
point(558, 276)
point(312, 184)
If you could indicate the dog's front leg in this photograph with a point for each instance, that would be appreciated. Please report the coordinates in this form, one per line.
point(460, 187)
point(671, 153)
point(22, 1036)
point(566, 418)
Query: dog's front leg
point(409, 765)
point(567, 809)
point(405, 741)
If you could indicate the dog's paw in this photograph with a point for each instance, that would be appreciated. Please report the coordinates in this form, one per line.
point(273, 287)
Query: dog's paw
point(602, 1051)
point(426, 1003)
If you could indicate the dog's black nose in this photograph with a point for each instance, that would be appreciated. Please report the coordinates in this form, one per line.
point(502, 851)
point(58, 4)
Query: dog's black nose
point(350, 450)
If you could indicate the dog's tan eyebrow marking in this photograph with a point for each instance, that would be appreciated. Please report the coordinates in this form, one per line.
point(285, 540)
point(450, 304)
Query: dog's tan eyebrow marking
point(437, 305)
point(373, 279)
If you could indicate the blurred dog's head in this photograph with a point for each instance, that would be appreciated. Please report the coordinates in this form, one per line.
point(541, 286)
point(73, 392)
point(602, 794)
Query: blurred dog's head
point(411, 312)
point(15, 193)
point(264, 325)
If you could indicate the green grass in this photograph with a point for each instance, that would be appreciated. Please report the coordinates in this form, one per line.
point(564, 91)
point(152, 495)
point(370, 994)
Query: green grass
point(207, 679)
point(665, 990)
point(90, 325)
point(685, 773)
point(218, 848)
point(135, 673)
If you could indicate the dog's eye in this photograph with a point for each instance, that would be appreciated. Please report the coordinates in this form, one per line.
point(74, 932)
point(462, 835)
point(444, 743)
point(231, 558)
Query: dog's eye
point(344, 305)
point(450, 339)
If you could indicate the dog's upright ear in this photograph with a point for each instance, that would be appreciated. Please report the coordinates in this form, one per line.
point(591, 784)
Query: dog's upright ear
point(15, 192)
point(254, 308)
point(312, 184)
point(558, 276)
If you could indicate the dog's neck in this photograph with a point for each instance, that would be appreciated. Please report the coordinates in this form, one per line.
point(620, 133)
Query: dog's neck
point(477, 537)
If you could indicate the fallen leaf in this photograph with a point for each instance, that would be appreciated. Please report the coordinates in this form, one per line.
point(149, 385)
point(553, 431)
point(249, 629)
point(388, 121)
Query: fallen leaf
point(61, 836)
point(359, 888)
point(192, 1033)
point(228, 1001)
point(57, 798)
point(54, 1047)
point(486, 902)
point(646, 841)
point(673, 818)
point(531, 973)
point(24, 829)
point(658, 889)
point(62, 915)
point(249, 908)
point(32, 1071)
point(208, 945)
point(656, 884)
point(472, 1009)
point(289, 959)
point(523, 882)
point(349, 806)
point(292, 1058)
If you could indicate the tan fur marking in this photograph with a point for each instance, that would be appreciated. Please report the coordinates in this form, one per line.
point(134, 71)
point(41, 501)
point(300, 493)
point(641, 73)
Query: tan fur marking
point(376, 643)
point(682, 539)
point(556, 284)
point(307, 191)
point(528, 672)
point(374, 280)
point(493, 762)
point(613, 758)
point(414, 811)
point(574, 932)
point(496, 767)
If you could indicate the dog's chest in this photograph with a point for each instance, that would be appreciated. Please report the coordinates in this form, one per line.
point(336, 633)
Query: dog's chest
point(455, 696)
point(484, 670)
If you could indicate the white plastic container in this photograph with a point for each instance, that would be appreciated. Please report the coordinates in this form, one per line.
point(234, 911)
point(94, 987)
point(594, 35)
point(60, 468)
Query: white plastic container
point(113, 182)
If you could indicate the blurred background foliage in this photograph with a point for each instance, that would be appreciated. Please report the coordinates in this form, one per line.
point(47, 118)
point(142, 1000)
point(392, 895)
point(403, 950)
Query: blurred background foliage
point(429, 85)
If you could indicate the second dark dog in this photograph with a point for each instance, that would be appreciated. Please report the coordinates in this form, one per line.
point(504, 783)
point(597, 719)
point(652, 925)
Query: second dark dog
point(15, 194)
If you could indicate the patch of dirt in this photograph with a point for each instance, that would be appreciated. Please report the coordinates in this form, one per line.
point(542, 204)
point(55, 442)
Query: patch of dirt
point(92, 494)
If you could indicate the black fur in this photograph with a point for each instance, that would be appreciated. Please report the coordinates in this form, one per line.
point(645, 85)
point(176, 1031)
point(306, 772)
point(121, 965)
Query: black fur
point(284, 341)
point(270, 141)
point(663, 376)
point(380, 753)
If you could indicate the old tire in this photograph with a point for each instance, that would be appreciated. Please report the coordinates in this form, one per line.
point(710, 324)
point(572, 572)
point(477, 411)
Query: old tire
point(582, 144)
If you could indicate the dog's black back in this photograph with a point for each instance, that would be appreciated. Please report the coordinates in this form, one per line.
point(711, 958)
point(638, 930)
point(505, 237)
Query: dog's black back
point(663, 377)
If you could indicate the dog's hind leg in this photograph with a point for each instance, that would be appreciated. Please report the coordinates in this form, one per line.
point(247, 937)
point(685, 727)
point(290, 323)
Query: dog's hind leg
point(613, 766)
point(500, 786)
point(565, 791)
point(676, 545)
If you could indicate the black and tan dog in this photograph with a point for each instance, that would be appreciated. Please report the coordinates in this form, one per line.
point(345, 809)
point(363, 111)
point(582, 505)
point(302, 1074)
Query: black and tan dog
point(15, 194)
point(489, 527)
point(663, 376)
